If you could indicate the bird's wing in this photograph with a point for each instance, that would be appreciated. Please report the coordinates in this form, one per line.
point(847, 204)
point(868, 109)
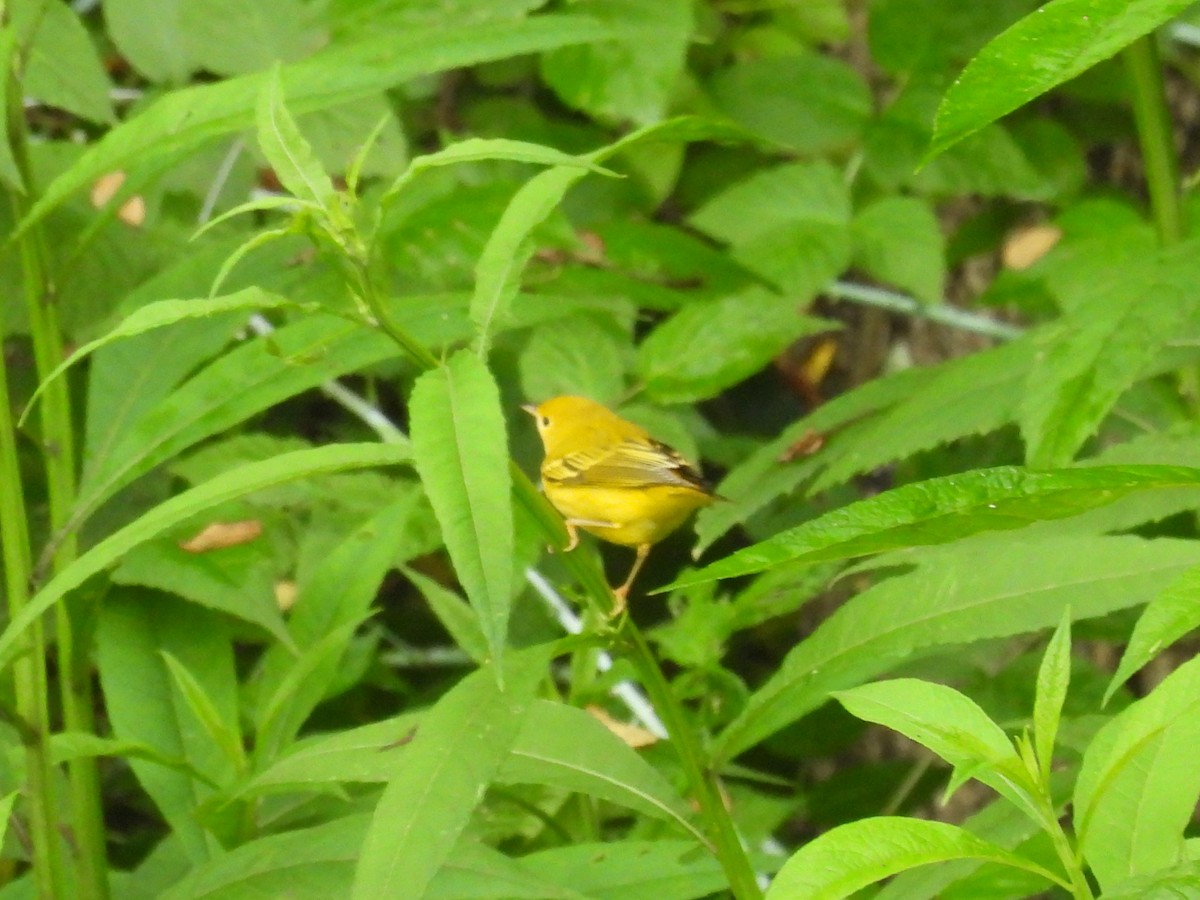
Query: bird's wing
point(634, 462)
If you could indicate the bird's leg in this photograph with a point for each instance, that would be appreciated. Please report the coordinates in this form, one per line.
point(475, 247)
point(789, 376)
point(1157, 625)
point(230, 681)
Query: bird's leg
point(622, 592)
point(572, 526)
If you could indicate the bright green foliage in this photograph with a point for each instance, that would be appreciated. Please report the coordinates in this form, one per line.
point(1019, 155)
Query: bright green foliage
point(281, 620)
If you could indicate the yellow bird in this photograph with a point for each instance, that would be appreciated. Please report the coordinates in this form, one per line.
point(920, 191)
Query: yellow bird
point(610, 478)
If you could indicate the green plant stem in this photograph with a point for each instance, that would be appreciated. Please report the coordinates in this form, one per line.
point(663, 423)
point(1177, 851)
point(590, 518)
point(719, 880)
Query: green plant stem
point(1156, 138)
point(58, 454)
point(29, 672)
point(1080, 889)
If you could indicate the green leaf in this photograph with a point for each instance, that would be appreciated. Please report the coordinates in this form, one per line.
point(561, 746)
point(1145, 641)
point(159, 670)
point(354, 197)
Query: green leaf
point(1139, 783)
point(299, 691)
point(68, 745)
point(1101, 347)
point(234, 580)
point(185, 119)
point(285, 148)
point(950, 724)
point(1052, 45)
point(483, 149)
point(6, 808)
point(253, 477)
point(808, 102)
point(898, 240)
point(508, 249)
point(1167, 618)
point(774, 470)
point(62, 67)
point(954, 597)
point(144, 706)
point(945, 509)
point(789, 224)
point(304, 864)
point(454, 613)
point(971, 395)
point(567, 748)
point(858, 854)
point(710, 345)
point(334, 598)
point(631, 869)
point(1054, 677)
point(1175, 883)
point(632, 76)
point(460, 449)
point(455, 755)
point(161, 314)
point(148, 33)
point(228, 37)
point(367, 754)
point(223, 734)
point(586, 354)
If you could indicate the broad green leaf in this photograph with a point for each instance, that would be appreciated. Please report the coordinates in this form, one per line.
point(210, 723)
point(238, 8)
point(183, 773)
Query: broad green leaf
point(455, 755)
point(710, 345)
point(367, 754)
point(475, 870)
point(990, 586)
point(460, 449)
point(898, 241)
point(999, 823)
point(808, 102)
point(945, 509)
point(253, 477)
point(1048, 47)
point(950, 724)
point(235, 580)
point(911, 36)
point(285, 148)
point(565, 747)
point(1139, 783)
point(306, 864)
point(768, 200)
point(789, 224)
point(1175, 883)
point(185, 119)
point(62, 67)
point(228, 37)
point(584, 354)
point(1165, 620)
point(143, 705)
point(853, 856)
point(631, 869)
point(1054, 678)
point(164, 313)
point(632, 76)
point(148, 33)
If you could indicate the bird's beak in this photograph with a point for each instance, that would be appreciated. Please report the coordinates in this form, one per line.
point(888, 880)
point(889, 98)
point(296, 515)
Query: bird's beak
point(529, 408)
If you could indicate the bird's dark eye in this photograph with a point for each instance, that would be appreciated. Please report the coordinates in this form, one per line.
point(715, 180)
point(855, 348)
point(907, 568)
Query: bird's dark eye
point(545, 421)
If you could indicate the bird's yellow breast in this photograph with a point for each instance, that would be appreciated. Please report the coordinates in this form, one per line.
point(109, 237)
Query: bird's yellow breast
point(640, 515)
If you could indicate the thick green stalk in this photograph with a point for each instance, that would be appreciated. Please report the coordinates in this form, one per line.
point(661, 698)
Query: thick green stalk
point(29, 672)
point(1156, 137)
point(58, 454)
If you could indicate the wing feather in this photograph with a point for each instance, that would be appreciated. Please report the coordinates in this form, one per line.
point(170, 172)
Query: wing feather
point(633, 463)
